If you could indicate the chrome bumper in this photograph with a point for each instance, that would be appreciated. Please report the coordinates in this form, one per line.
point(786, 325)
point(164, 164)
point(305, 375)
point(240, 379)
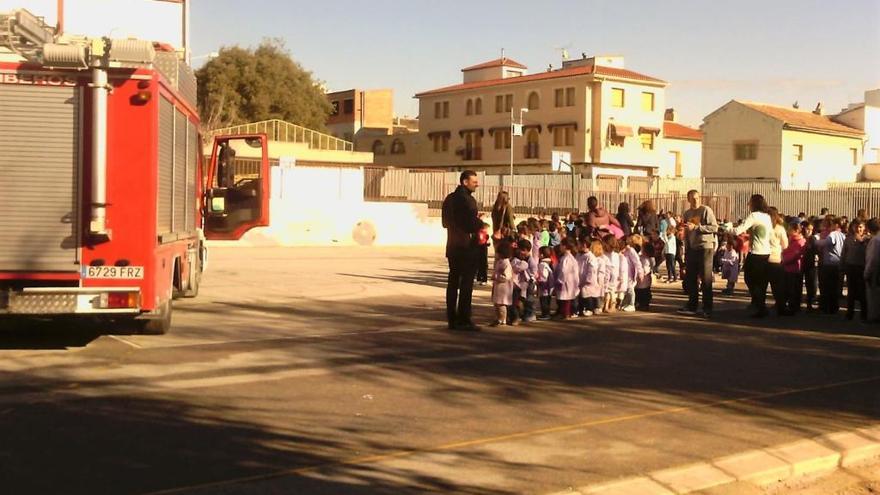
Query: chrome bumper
point(62, 301)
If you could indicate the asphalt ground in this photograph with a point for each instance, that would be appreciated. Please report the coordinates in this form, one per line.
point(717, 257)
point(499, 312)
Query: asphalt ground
point(306, 370)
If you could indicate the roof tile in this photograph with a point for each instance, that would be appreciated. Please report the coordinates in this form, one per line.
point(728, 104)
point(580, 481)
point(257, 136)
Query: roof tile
point(559, 73)
point(803, 120)
point(498, 62)
point(674, 130)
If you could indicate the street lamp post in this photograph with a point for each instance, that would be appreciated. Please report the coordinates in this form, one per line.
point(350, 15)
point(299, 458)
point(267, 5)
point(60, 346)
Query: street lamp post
point(513, 133)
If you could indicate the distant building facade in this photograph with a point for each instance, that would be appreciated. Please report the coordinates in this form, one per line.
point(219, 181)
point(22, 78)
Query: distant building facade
point(865, 116)
point(745, 140)
point(356, 111)
point(608, 117)
point(684, 149)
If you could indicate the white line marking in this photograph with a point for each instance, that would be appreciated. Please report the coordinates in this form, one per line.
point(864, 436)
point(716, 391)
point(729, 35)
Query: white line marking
point(125, 341)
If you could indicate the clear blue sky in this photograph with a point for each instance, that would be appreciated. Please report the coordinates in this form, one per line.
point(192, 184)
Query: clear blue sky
point(774, 51)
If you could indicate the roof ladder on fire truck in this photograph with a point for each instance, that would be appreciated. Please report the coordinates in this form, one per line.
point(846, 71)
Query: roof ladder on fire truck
point(24, 33)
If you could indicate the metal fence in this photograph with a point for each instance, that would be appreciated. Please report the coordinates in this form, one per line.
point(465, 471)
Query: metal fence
point(553, 193)
point(279, 130)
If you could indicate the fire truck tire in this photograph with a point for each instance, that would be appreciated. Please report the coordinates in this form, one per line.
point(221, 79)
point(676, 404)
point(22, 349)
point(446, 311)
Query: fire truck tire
point(195, 281)
point(161, 324)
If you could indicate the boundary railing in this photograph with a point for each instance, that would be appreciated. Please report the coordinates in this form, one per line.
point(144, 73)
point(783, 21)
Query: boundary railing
point(279, 130)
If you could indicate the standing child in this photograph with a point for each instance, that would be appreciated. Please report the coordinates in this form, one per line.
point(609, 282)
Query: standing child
point(730, 266)
point(555, 238)
point(643, 288)
point(524, 284)
point(583, 259)
point(502, 283)
point(623, 274)
point(545, 282)
point(483, 266)
point(567, 280)
point(670, 248)
point(596, 272)
point(792, 261)
point(612, 276)
point(635, 272)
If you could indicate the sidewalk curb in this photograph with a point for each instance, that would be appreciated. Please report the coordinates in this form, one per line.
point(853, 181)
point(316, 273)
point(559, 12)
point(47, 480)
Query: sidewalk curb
point(762, 467)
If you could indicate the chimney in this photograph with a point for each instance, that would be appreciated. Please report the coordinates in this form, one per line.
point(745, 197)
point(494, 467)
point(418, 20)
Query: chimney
point(818, 110)
point(669, 115)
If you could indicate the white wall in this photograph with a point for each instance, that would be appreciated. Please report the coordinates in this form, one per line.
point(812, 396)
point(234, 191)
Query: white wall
point(825, 159)
point(325, 206)
point(691, 153)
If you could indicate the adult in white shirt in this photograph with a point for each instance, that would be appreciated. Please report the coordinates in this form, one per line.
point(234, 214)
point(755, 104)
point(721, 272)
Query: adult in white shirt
point(760, 229)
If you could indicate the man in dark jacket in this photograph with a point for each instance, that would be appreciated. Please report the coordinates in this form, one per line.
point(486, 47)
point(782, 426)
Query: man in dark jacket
point(462, 223)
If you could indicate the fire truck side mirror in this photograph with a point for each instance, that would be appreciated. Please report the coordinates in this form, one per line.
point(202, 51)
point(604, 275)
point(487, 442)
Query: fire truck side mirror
point(216, 201)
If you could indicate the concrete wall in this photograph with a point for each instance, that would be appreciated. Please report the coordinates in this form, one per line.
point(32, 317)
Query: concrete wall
point(825, 159)
point(690, 154)
point(735, 122)
point(325, 206)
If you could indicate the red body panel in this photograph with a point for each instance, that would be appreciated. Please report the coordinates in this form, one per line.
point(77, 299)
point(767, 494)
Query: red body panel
point(132, 184)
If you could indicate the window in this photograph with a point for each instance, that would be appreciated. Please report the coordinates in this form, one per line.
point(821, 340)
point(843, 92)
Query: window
point(502, 139)
point(676, 162)
point(745, 151)
point(617, 97)
point(855, 155)
point(469, 107)
point(564, 97)
point(478, 106)
point(534, 101)
point(798, 152)
point(348, 106)
point(397, 147)
point(647, 102)
point(334, 108)
point(563, 136)
point(472, 147)
point(441, 142)
point(441, 110)
point(532, 138)
point(503, 103)
point(647, 139)
point(378, 147)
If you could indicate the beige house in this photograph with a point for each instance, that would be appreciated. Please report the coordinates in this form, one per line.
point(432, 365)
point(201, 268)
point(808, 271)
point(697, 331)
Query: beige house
point(684, 149)
point(357, 111)
point(608, 117)
point(743, 140)
point(865, 116)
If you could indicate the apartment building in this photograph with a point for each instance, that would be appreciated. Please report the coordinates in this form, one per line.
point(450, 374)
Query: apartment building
point(798, 148)
point(610, 119)
point(356, 111)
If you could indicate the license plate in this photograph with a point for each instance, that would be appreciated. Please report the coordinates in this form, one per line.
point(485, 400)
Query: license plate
point(114, 272)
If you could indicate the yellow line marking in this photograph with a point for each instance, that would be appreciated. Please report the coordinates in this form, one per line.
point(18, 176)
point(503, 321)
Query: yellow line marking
point(126, 341)
point(372, 459)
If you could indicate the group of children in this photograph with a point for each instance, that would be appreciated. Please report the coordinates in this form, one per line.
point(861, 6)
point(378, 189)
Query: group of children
point(586, 274)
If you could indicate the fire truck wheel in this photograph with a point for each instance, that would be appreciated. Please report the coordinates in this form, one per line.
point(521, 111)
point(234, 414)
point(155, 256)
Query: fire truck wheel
point(193, 289)
point(158, 325)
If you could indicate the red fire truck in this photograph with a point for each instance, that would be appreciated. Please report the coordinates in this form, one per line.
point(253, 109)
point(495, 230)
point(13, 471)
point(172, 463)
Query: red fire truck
point(106, 200)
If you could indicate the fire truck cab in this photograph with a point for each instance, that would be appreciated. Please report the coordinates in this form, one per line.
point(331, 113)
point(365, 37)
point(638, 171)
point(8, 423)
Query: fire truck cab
point(107, 201)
